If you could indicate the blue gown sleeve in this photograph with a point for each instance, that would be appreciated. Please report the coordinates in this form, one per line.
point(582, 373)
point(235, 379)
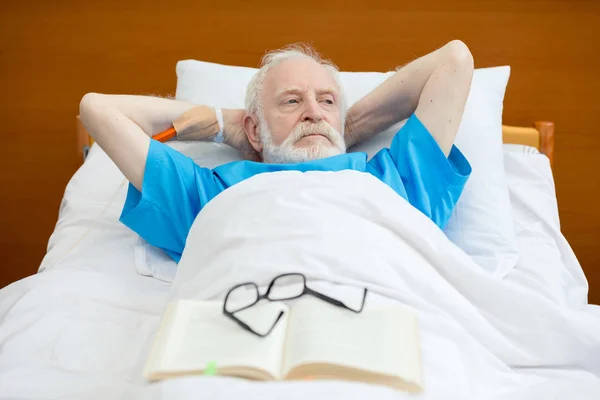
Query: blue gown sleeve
point(432, 181)
point(174, 191)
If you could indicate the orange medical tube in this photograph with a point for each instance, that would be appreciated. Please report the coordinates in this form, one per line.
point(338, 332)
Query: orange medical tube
point(166, 135)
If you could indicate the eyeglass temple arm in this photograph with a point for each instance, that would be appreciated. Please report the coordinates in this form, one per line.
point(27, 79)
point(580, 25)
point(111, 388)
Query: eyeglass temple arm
point(247, 327)
point(337, 302)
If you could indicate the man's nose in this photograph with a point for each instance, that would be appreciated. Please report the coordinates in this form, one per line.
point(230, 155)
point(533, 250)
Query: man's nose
point(313, 111)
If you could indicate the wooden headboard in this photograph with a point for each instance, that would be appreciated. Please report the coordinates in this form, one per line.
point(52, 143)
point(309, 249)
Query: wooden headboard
point(540, 136)
point(55, 52)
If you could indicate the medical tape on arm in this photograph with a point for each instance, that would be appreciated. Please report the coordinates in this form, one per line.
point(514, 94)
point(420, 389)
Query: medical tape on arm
point(199, 123)
point(220, 138)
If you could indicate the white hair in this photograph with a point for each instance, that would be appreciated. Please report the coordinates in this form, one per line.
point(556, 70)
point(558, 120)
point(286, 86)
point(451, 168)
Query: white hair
point(254, 104)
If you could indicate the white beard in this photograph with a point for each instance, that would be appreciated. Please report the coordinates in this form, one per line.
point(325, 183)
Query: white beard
point(289, 153)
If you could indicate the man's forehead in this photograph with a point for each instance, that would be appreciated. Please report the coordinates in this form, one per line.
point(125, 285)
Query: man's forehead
point(299, 75)
point(304, 89)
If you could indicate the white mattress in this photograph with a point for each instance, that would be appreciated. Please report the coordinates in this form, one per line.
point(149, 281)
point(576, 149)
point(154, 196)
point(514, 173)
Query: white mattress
point(79, 330)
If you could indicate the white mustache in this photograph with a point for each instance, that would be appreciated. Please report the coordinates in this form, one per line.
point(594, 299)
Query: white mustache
point(289, 152)
point(308, 128)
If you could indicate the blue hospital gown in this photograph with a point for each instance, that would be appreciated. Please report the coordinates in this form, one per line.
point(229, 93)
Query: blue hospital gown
point(175, 188)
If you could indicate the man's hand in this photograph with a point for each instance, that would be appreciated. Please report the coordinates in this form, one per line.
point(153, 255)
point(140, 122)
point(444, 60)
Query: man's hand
point(200, 124)
point(434, 87)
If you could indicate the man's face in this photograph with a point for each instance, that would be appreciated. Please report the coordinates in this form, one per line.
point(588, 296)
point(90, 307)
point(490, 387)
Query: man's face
point(302, 113)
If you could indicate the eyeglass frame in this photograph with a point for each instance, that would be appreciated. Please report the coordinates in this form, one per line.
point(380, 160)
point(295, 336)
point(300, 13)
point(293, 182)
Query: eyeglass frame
point(265, 296)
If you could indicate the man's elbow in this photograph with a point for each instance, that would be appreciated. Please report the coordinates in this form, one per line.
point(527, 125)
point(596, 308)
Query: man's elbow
point(88, 103)
point(458, 55)
point(92, 107)
point(92, 111)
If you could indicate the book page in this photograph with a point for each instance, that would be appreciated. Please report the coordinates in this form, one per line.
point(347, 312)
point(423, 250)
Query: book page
point(199, 334)
point(379, 340)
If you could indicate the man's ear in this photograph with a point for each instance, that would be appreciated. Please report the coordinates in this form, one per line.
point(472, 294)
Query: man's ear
point(251, 127)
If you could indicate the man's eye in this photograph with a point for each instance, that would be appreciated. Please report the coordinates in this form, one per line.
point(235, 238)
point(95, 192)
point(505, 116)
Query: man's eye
point(328, 101)
point(292, 101)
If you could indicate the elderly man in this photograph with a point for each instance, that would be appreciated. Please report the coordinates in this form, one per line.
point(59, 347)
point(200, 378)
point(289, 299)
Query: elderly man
point(294, 119)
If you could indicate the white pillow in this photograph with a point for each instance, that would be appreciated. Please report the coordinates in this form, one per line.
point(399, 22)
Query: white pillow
point(482, 221)
point(88, 231)
point(224, 86)
point(88, 234)
point(92, 198)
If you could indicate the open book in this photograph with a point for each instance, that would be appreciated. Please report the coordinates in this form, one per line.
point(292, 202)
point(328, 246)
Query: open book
point(313, 340)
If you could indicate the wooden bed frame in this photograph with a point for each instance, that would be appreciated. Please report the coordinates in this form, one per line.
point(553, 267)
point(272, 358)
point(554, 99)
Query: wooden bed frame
point(540, 136)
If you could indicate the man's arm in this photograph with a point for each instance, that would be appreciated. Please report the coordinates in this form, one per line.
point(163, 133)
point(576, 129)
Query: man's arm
point(434, 87)
point(123, 124)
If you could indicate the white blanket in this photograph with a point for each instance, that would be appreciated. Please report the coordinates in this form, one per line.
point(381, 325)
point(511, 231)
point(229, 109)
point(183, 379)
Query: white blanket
point(72, 333)
point(348, 230)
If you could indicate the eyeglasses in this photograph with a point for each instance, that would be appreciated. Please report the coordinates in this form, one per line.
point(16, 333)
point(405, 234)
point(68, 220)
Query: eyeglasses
point(283, 287)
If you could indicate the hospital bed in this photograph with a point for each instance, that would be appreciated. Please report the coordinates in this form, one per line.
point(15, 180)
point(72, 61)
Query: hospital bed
point(507, 326)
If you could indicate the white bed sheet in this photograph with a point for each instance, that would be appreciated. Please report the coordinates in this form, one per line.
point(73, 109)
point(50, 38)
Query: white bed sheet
point(546, 260)
point(78, 329)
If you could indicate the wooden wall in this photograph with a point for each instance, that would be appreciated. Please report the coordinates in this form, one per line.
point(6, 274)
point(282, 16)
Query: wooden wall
point(51, 53)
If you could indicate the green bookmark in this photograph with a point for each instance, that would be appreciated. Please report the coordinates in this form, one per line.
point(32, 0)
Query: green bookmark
point(211, 368)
